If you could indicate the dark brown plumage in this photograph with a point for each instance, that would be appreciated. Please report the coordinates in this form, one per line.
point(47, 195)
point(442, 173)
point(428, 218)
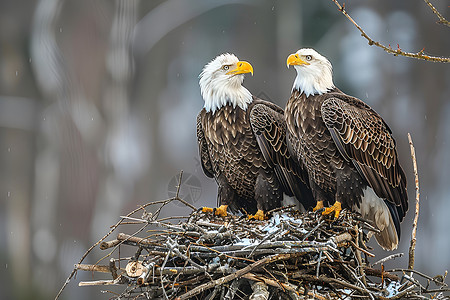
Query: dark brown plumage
point(230, 153)
point(238, 137)
point(346, 147)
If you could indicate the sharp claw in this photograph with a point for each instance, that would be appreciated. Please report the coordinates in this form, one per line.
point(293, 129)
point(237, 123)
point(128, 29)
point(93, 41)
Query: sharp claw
point(336, 208)
point(207, 209)
point(260, 215)
point(221, 211)
point(318, 206)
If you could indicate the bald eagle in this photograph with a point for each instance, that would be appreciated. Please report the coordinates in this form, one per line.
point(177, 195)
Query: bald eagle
point(346, 147)
point(238, 136)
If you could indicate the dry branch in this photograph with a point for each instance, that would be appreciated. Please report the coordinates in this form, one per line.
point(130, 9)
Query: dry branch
point(290, 256)
point(442, 20)
point(412, 246)
point(395, 52)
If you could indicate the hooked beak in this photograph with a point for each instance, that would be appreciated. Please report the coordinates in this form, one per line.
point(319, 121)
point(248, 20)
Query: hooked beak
point(295, 60)
point(242, 68)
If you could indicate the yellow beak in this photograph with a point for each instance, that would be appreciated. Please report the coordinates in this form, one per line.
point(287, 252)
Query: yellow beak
point(295, 60)
point(242, 68)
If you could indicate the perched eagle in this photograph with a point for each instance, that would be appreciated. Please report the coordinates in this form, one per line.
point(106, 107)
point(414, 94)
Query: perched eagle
point(346, 147)
point(238, 136)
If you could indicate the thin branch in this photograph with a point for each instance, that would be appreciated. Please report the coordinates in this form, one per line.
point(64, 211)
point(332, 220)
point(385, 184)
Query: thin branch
point(98, 282)
point(436, 281)
point(86, 254)
point(380, 273)
point(442, 20)
point(359, 259)
point(237, 274)
point(416, 215)
point(177, 196)
point(392, 256)
point(112, 229)
point(287, 286)
point(395, 52)
point(93, 268)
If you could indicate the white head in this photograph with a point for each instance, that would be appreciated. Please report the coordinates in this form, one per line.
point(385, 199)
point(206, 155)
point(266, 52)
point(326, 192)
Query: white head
point(221, 82)
point(314, 72)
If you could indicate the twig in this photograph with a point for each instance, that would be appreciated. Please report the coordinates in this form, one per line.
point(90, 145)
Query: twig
point(93, 268)
point(412, 246)
point(260, 290)
point(437, 282)
point(86, 254)
point(109, 244)
point(234, 287)
point(395, 52)
point(380, 273)
point(172, 218)
point(312, 231)
point(280, 209)
point(318, 264)
point(344, 237)
point(287, 286)
point(362, 250)
point(442, 20)
point(109, 254)
point(324, 279)
point(177, 195)
point(403, 293)
point(358, 257)
point(238, 274)
point(113, 268)
point(161, 275)
point(392, 256)
point(98, 282)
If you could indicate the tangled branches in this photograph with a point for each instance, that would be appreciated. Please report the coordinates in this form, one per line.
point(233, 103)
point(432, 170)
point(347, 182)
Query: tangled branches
point(291, 256)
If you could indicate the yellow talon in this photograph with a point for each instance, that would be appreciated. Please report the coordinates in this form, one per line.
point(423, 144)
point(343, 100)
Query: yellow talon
point(336, 208)
point(319, 205)
point(221, 211)
point(207, 209)
point(258, 216)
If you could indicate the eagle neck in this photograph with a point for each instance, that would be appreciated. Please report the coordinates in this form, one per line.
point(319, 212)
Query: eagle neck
point(300, 95)
point(218, 98)
point(310, 85)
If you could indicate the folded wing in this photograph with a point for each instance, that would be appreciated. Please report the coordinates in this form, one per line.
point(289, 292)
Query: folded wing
point(269, 126)
point(363, 137)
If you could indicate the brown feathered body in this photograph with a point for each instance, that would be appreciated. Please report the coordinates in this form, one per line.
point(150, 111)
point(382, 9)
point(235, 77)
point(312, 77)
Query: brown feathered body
point(347, 149)
point(230, 152)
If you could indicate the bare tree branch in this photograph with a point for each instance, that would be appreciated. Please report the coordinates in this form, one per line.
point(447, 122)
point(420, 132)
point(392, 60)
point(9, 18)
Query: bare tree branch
point(442, 20)
point(389, 49)
point(416, 215)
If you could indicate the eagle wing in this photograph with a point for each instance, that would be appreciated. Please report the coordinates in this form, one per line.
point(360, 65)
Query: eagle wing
point(363, 137)
point(203, 149)
point(269, 127)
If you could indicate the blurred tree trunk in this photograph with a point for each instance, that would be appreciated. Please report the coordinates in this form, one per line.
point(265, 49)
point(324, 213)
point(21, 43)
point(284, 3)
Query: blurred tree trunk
point(64, 44)
point(17, 140)
point(115, 188)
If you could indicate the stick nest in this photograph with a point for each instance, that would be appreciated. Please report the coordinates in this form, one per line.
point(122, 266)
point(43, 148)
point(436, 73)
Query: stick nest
point(292, 255)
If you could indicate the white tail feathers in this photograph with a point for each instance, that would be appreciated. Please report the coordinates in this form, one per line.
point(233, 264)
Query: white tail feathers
point(375, 209)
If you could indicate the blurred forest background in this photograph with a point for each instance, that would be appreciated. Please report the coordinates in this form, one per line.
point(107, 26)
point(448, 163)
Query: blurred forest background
point(98, 103)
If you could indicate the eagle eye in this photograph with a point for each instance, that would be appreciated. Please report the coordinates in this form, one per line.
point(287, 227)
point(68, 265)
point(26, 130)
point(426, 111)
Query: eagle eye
point(308, 57)
point(226, 67)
